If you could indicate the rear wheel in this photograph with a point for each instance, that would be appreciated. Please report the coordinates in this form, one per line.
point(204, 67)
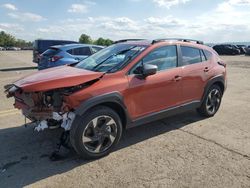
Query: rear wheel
point(211, 102)
point(95, 134)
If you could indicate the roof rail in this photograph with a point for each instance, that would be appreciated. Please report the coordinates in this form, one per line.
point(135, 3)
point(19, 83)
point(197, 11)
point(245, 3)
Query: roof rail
point(177, 39)
point(126, 40)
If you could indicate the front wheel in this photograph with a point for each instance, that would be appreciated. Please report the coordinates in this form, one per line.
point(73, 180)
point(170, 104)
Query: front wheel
point(211, 102)
point(95, 134)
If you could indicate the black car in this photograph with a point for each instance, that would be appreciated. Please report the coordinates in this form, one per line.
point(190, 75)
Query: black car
point(41, 46)
point(226, 49)
point(248, 51)
point(242, 48)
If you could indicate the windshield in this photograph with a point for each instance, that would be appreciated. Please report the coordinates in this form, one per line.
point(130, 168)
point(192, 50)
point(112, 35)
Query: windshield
point(110, 58)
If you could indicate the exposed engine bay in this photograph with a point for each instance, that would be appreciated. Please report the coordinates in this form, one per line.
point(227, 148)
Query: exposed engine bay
point(47, 109)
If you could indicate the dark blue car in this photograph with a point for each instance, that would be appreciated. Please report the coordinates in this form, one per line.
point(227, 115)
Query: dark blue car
point(66, 54)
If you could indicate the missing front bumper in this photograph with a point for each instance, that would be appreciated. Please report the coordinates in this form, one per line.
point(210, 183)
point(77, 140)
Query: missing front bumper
point(64, 120)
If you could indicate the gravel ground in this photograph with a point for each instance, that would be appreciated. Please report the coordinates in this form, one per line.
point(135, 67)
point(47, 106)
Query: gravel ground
point(181, 151)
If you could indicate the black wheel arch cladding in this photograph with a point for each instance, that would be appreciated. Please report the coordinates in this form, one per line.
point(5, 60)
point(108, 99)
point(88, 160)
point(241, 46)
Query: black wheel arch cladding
point(113, 100)
point(218, 80)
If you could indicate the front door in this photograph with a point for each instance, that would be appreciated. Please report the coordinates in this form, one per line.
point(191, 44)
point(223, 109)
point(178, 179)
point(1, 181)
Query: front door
point(156, 92)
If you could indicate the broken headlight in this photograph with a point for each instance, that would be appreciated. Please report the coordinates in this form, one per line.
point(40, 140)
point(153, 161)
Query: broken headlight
point(10, 89)
point(53, 98)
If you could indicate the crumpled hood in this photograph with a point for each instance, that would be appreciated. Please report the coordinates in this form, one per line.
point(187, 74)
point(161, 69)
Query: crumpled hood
point(58, 77)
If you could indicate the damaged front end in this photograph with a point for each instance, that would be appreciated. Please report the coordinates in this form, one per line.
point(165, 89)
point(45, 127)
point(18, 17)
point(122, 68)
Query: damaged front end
point(47, 98)
point(42, 96)
point(47, 109)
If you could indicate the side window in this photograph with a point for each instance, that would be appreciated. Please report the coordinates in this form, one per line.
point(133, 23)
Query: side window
point(163, 57)
point(80, 51)
point(203, 58)
point(208, 54)
point(190, 55)
point(85, 51)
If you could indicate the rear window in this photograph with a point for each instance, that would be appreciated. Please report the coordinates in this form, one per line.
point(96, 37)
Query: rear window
point(190, 55)
point(50, 52)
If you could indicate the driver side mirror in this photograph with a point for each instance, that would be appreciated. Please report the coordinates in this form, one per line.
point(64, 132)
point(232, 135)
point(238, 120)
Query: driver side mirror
point(149, 70)
point(146, 70)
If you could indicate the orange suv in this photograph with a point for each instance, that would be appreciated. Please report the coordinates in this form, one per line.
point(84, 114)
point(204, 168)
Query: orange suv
point(129, 83)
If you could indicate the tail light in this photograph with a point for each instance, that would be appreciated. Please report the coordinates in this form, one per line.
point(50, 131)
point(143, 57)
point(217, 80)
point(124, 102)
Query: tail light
point(55, 58)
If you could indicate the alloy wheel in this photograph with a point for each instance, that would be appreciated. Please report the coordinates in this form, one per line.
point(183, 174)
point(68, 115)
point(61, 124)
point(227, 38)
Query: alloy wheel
point(99, 134)
point(213, 101)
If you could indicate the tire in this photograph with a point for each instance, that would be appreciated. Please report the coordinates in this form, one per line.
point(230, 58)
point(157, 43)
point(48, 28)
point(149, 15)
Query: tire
point(211, 103)
point(95, 134)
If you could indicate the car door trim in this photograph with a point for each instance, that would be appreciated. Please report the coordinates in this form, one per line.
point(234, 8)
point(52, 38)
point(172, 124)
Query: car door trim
point(165, 113)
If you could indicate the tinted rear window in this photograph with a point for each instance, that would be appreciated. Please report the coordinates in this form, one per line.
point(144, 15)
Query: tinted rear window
point(190, 55)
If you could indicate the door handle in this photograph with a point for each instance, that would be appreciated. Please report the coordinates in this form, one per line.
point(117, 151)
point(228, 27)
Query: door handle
point(206, 69)
point(177, 78)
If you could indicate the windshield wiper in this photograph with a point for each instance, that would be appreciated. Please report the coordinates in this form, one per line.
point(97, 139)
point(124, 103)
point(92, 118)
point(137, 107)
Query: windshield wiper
point(112, 55)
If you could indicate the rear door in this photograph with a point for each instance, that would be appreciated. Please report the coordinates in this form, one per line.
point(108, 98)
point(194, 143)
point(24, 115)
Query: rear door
point(156, 92)
point(196, 72)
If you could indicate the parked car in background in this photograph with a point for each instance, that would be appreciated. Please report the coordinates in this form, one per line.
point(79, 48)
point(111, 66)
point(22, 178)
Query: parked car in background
point(247, 52)
point(226, 49)
point(27, 48)
point(127, 84)
point(2, 48)
point(13, 48)
point(242, 48)
point(42, 45)
point(66, 54)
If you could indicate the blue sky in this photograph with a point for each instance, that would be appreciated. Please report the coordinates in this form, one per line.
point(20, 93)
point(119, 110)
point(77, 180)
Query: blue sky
point(211, 21)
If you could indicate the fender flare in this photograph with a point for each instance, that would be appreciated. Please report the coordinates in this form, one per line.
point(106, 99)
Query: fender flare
point(217, 79)
point(114, 97)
